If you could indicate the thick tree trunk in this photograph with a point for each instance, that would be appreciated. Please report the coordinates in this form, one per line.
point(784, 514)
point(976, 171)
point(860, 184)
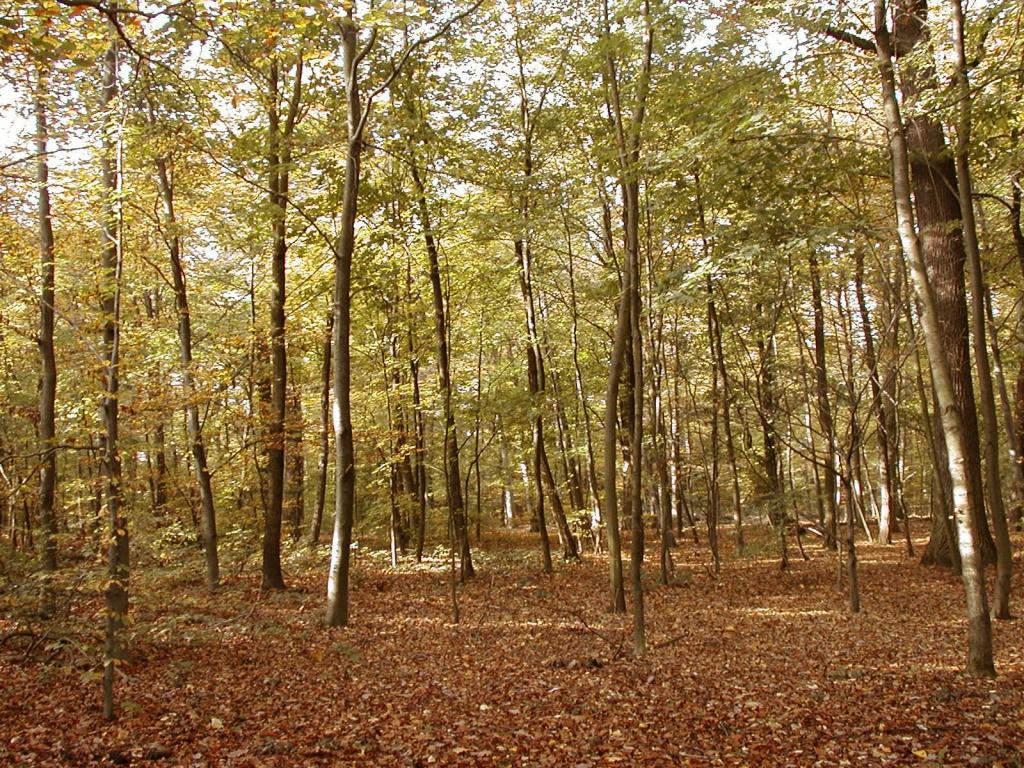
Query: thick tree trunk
point(990, 424)
point(937, 207)
point(980, 662)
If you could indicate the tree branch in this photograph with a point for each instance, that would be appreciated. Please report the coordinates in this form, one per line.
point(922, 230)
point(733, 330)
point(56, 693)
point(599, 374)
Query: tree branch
point(849, 37)
point(112, 13)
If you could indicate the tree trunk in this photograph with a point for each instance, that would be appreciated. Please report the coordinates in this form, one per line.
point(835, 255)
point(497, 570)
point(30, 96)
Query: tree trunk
point(116, 593)
point(279, 159)
point(730, 449)
point(1016, 193)
point(824, 406)
point(714, 489)
point(316, 521)
point(990, 424)
point(1010, 428)
point(980, 662)
point(420, 464)
point(344, 449)
point(536, 379)
point(453, 475)
point(295, 467)
point(47, 357)
point(934, 179)
point(195, 435)
point(767, 413)
point(578, 380)
point(878, 410)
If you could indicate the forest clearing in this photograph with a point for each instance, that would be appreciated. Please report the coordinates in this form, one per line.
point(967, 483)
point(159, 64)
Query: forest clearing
point(757, 667)
point(512, 382)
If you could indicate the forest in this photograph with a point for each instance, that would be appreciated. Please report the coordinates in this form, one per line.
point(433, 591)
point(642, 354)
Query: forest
point(511, 382)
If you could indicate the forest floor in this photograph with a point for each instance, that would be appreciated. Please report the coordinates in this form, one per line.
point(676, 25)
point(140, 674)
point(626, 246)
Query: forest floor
point(753, 667)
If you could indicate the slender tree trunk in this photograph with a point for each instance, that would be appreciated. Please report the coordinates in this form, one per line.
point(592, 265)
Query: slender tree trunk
point(730, 449)
point(505, 468)
point(578, 380)
point(1010, 428)
point(885, 441)
point(980, 662)
point(767, 412)
point(681, 438)
point(344, 449)
point(393, 457)
point(1016, 193)
point(942, 547)
point(851, 465)
point(279, 159)
point(47, 357)
point(892, 303)
point(316, 521)
point(636, 436)
point(476, 423)
point(824, 406)
point(116, 593)
point(536, 378)
point(195, 435)
point(295, 467)
point(405, 480)
point(421, 467)
point(714, 489)
point(456, 504)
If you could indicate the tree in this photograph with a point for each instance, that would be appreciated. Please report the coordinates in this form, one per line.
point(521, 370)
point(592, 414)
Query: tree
point(358, 115)
point(48, 360)
point(529, 118)
point(979, 662)
point(111, 261)
point(627, 142)
point(279, 143)
point(990, 424)
point(197, 443)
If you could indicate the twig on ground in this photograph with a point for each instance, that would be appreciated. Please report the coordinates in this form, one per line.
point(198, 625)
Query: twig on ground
point(616, 645)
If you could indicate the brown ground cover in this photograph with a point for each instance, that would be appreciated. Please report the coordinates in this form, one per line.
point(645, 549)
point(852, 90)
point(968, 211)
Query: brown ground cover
point(753, 667)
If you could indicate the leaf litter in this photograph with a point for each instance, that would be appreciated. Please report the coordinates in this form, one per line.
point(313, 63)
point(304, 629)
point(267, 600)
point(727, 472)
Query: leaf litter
point(755, 667)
